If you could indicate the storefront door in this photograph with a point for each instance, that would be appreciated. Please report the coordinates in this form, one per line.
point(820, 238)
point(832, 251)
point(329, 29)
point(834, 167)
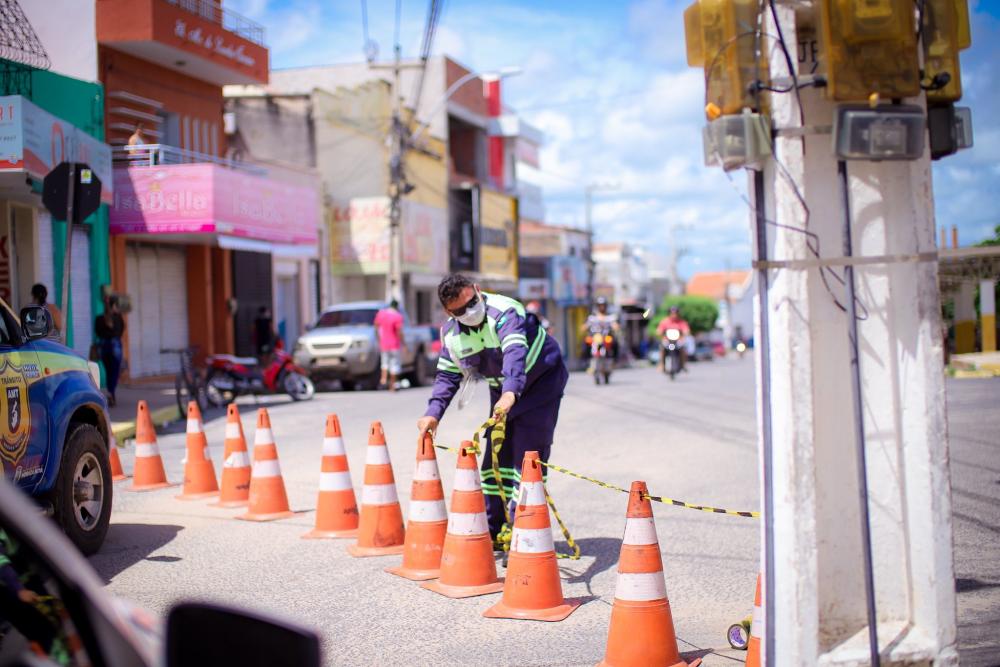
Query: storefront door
point(156, 276)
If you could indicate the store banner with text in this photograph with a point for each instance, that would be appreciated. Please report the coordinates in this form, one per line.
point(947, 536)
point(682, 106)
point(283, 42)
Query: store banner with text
point(498, 236)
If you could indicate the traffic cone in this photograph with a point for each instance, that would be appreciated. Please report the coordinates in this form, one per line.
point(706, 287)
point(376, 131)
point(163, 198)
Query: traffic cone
point(235, 463)
point(199, 473)
point(428, 522)
point(380, 529)
point(336, 507)
point(148, 472)
point(756, 630)
point(467, 565)
point(532, 590)
point(268, 500)
point(117, 473)
point(642, 628)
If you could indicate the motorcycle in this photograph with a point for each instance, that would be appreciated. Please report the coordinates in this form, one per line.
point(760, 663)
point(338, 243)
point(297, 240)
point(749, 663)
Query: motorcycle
point(672, 348)
point(230, 377)
point(601, 355)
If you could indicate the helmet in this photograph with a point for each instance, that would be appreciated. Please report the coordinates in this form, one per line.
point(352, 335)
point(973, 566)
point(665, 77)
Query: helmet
point(674, 310)
point(601, 301)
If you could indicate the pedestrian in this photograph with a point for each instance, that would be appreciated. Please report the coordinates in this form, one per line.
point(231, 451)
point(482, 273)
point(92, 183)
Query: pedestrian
point(137, 138)
point(39, 296)
point(109, 328)
point(492, 337)
point(389, 331)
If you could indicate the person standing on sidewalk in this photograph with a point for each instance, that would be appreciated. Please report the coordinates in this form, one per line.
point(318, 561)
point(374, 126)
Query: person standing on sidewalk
point(39, 296)
point(493, 337)
point(109, 328)
point(389, 331)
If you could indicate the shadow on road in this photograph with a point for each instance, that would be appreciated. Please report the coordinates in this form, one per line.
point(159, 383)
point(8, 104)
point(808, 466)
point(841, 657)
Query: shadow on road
point(129, 543)
point(604, 550)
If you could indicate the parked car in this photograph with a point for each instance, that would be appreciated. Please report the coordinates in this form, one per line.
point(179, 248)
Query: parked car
point(55, 432)
point(704, 350)
point(341, 345)
point(60, 614)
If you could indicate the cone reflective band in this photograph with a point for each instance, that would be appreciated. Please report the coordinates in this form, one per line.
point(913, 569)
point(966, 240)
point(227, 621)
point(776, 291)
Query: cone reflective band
point(642, 628)
point(532, 590)
point(336, 506)
point(467, 564)
point(756, 630)
point(268, 500)
point(428, 522)
point(147, 472)
point(117, 473)
point(235, 463)
point(199, 473)
point(380, 528)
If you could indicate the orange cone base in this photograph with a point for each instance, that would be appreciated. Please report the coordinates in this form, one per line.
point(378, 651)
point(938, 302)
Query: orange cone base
point(458, 592)
point(266, 517)
point(197, 496)
point(557, 613)
point(414, 574)
point(231, 503)
point(118, 478)
point(330, 534)
point(151, 487)
point(365, 552)
point(641, 634)
point(693, 663)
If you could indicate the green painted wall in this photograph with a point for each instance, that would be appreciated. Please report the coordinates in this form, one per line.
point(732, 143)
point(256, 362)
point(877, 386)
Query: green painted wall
point(82, 104)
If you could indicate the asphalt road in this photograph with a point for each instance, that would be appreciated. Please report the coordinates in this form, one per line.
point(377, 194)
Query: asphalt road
point(693, 439)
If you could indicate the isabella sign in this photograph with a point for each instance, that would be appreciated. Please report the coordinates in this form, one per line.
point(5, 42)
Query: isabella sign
point(209, 199)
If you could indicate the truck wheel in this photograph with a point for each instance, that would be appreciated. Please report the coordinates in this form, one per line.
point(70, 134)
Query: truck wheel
point(420, 374)
point(81, 498)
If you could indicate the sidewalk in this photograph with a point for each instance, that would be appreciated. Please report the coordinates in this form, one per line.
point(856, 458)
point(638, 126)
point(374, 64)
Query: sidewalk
point(977, 364)
point(160, 398)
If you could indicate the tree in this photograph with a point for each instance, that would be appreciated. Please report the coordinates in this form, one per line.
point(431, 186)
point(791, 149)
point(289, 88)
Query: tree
point(993, 241)
point(699, 311)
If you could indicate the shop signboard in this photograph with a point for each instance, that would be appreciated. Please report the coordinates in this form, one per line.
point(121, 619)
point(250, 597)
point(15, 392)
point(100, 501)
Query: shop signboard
point(210, 199)
point(34, 141)
point(498, 236)
point(569, 279)
point(359, 238)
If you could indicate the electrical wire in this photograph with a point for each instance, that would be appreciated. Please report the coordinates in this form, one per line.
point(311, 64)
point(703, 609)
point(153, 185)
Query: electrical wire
point(364, 27)
point(399, 17)
point(788, 60)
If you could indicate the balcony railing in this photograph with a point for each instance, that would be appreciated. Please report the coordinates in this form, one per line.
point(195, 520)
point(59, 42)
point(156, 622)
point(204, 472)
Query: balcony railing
point(151, 155)
point(212, 11)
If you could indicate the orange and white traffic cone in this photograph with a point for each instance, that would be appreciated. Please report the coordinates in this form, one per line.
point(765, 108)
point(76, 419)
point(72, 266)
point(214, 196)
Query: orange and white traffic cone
point(467, 564)
point(235, 463)
point(380, 529)
point(428, 521)
point(532, 590)
point(268, 499)
point(115, 461)
point(336, 507)
point(199, 473)
point(642, 628)
point(756, 630)
point(147, 472)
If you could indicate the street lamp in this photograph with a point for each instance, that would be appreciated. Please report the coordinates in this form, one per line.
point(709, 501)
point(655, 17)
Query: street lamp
point(501, 73)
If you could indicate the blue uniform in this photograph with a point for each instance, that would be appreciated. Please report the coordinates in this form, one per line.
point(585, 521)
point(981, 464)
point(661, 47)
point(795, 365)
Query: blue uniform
point(511, 352)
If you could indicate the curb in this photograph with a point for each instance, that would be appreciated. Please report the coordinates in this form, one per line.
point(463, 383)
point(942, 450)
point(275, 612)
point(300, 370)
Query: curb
point(126, 430)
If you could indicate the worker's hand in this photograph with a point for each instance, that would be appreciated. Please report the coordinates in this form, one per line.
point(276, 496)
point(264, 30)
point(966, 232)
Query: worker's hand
point(27, 596)
point(427, 425)
point(505, 403)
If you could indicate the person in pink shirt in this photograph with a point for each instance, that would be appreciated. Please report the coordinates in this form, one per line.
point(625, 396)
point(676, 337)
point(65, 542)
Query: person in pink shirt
point(389, 329)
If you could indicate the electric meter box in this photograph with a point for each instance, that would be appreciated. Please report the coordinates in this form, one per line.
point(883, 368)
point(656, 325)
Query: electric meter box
point(884, 133)
point(949, 129)
point(869, 48)
point(945, 32)
point(740, 140)
point(721, 38)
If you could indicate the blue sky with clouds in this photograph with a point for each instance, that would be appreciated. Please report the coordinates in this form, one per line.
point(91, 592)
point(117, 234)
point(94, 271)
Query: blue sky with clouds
point(609, 85)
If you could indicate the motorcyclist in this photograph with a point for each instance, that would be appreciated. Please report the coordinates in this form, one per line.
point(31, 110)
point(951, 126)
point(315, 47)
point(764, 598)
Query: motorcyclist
point(673, 321)
point(601, 323)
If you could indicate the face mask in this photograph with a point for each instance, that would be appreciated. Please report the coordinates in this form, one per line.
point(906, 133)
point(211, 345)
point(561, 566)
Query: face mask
point(475, 315)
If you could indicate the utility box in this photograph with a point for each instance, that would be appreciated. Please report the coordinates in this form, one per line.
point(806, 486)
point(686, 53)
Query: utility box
point(740, 140)
point(883, 133)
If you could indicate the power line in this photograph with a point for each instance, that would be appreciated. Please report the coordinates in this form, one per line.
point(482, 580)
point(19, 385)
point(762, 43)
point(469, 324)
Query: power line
point(399, 14)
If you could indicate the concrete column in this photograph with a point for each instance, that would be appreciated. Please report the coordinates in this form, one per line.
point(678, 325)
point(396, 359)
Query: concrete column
point(820, 614)
point(965, 318)
point(988, 313)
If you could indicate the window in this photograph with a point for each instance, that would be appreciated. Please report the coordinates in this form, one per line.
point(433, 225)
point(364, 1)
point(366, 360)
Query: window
point(346, 318)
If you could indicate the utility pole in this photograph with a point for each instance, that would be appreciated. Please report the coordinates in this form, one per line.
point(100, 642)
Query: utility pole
point(588, 222)
point(68, 252)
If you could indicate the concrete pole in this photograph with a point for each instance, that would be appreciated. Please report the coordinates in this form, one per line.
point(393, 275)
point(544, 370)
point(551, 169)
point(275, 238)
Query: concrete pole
point(819, 589)
point(965, 318)
point(988, 313)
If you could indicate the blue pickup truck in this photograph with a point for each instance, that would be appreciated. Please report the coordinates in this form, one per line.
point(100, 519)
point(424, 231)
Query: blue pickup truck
point(54, 427)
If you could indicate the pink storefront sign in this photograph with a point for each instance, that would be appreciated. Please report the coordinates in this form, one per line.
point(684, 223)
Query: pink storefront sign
point(209, 199)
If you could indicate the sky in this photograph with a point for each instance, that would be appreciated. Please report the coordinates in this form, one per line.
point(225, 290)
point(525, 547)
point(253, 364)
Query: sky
point(608, 84)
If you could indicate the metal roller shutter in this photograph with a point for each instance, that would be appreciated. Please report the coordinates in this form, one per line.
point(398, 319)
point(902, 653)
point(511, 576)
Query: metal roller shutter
point(157, 283)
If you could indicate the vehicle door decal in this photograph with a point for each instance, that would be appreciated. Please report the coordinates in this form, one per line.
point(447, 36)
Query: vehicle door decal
point(16, 412)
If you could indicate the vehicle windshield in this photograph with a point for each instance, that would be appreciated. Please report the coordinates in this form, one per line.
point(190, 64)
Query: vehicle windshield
point(346, 318)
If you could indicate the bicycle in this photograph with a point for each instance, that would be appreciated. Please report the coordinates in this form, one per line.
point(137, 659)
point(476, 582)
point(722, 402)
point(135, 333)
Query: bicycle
point(189, 382)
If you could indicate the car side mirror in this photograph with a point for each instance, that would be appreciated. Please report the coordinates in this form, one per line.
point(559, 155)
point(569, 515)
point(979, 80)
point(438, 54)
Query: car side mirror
point(36, 322)
point(194, 630)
